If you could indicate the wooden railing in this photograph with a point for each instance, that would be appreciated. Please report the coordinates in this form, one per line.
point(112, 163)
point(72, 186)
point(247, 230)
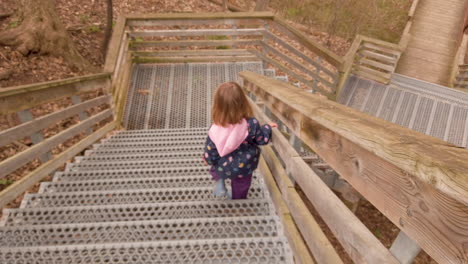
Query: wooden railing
point(371, 58)
point(459, 71)
point(249, 36)
point(418, 182)
point(85, 110)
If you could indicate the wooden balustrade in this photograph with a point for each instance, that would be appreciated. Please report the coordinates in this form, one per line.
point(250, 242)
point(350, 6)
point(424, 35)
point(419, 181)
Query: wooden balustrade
point(459, 71)
point(420, 183)
point(22, 98)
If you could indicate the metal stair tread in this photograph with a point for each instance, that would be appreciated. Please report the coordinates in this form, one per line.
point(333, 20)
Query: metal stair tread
point(136, 212)
point(131, 183)
point(240, 250)
point(119, 174)
point(138, 231)
point(183, 138)
point(139, 164)
point(120, 151)
point(148, 156)
point(140, 196)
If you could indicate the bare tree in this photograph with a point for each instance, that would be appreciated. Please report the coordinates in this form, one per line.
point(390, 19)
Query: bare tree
point(42, 32)
point(108, 33)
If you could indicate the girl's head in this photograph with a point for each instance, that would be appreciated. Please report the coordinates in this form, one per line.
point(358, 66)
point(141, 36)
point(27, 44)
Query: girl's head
point(230, 105)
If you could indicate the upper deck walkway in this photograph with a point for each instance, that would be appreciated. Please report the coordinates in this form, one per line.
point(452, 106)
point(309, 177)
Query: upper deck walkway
point(433, 43)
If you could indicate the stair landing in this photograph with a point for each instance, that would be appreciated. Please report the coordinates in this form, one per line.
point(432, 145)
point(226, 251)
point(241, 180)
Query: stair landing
point(433, 43)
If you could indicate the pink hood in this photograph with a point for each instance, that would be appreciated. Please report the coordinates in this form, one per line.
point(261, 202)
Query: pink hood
point(227, 139)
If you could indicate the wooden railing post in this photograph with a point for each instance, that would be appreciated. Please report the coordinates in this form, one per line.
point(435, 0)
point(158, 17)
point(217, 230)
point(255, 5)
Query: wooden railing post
point(76, 99)
point(404, 248)
point(26, 116)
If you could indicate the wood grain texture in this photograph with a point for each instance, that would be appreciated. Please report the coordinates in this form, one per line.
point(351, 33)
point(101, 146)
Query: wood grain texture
point(198, 32)
point(28, 128)
point(25, 183)
point(197, 16)
point(300, 251)
point(191, 43)
point(115, 44)
point(420, 183)
point(360, 244)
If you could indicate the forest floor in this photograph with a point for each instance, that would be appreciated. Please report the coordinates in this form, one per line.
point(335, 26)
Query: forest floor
point(85, 21)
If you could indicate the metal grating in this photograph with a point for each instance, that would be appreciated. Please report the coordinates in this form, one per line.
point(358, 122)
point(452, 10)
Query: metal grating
point(246, 250)
point(178, 95)
point(131, 184)
point(428, 108)
point(128, 197)
point(135, 173)
point(140, 231)
point(148, 164)
point(136, 212)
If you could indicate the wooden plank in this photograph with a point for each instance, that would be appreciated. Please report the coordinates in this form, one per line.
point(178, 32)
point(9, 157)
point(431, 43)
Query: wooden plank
point(284, 44)
point(388, 47)
point(197, 32)
point(13, 163)
point(123, 86)
point(378, 65)
point(373, 77)
point(299, 249)
point(316, 240)
point(26, 129)
point(183, 53)
point(299, 66)
point(18, 98)
point(378, 56)
point(194, 59)
point(357, 240)
point(25, 183)
point(191, 43)
point(198, 16)
point(315, 47)
point(390, 51)
point(419, 182)
point(285, 69)
point(115, 45)
point(368, 70)
point(240, 23)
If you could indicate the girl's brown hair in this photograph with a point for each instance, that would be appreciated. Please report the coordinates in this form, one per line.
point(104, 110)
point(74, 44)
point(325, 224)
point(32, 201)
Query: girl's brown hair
point(230, 105)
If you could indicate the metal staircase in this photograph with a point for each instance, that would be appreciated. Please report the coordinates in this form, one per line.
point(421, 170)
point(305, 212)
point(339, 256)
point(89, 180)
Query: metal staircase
point(142, 197)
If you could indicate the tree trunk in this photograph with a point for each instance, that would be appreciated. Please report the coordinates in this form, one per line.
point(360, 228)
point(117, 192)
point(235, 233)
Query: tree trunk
point(42, 32)
point(108, 32)
point(225, 5)
point(261, 5)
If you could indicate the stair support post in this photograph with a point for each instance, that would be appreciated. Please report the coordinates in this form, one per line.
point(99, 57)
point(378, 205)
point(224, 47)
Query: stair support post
point(404, 248)
point(26, 116)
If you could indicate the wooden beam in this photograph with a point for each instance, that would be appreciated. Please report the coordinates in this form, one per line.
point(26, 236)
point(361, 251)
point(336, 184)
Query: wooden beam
point(300, 251)
point(191, 43)
point(25, 183)
point(194, 59)
point(115, 45)
point(313, 46)
point(13, 163)
point(26, 129)
point(360, 244)
point(284, 68)
point(18, 98)
point(192, 53)
point(198, 32)
point(202, 16)
point(420, 183)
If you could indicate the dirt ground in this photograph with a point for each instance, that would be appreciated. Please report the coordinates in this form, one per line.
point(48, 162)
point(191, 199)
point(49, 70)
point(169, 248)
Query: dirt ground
point(85, 21)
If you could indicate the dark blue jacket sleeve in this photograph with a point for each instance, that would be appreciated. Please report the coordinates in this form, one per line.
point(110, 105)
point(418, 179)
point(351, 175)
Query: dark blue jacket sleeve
point(260, 134)
point(211, 154)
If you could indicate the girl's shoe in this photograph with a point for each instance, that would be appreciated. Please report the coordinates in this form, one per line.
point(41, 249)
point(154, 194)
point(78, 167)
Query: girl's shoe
point(220, 189)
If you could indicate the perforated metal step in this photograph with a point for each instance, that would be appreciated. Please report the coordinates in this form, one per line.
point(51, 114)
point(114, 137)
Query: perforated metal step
point(140, 157)
point(167, 139)
point(131, 184)
point(143, 196)
point(144, 164)
point(245, 250)
point(145, 151)
point(125, 174)
point(152, 145)
point(140, 231)
point(136, 212)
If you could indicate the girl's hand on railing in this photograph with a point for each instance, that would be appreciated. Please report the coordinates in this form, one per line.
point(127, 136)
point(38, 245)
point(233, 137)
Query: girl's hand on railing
point(273, 125)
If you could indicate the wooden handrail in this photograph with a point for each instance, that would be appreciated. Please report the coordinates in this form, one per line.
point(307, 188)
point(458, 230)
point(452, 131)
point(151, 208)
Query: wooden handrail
point(22, 97)
point(458, 60)
point(201, 16)
point(419, 182)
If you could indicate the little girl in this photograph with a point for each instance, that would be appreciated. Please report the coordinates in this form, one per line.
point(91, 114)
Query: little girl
point(232, 144)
